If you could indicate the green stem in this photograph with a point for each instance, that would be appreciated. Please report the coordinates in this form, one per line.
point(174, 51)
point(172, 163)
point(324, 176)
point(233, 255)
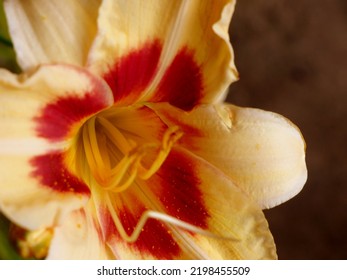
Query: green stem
point(7, 252)
point(6, 42)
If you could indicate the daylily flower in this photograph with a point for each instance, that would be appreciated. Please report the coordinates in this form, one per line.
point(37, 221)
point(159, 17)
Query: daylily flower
point(115, 137)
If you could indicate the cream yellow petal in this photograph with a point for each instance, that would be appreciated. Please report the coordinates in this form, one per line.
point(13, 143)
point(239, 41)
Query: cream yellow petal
point(262, 152)
point(233, 215)
point(157, 50)
point(51, 31)
point(78, 238)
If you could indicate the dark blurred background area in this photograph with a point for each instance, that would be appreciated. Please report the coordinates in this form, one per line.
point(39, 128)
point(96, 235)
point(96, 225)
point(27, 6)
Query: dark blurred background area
point(292, 59)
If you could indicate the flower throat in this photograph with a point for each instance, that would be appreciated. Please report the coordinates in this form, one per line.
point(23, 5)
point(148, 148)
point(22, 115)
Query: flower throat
point(114, 158)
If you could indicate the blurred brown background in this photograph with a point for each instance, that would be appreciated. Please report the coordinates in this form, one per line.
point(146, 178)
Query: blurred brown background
point(292, 59)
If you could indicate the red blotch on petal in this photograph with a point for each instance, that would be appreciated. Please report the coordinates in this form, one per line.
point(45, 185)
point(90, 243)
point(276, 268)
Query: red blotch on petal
point(182, 83)
point(179, 191)
point(51, 172)
point(57, 118)
point(154, 238)
point(130, 76)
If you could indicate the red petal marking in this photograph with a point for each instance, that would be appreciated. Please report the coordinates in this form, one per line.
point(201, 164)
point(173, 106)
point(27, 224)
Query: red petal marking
point(51, 171)
point(182, 84)
point(179, 191)
point(155, 238)
point(129, 76)
point(57, 118)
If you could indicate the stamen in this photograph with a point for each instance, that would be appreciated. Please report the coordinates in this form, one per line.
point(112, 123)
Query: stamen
point(88, 150)
point(104, 151)
point(94, 143)
point(119, 172)
point(169, 138)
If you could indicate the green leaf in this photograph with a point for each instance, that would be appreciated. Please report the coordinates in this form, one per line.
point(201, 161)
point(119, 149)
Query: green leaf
point(7, 53)
point(7, 251)
point(4, 35)
point(5, 42)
